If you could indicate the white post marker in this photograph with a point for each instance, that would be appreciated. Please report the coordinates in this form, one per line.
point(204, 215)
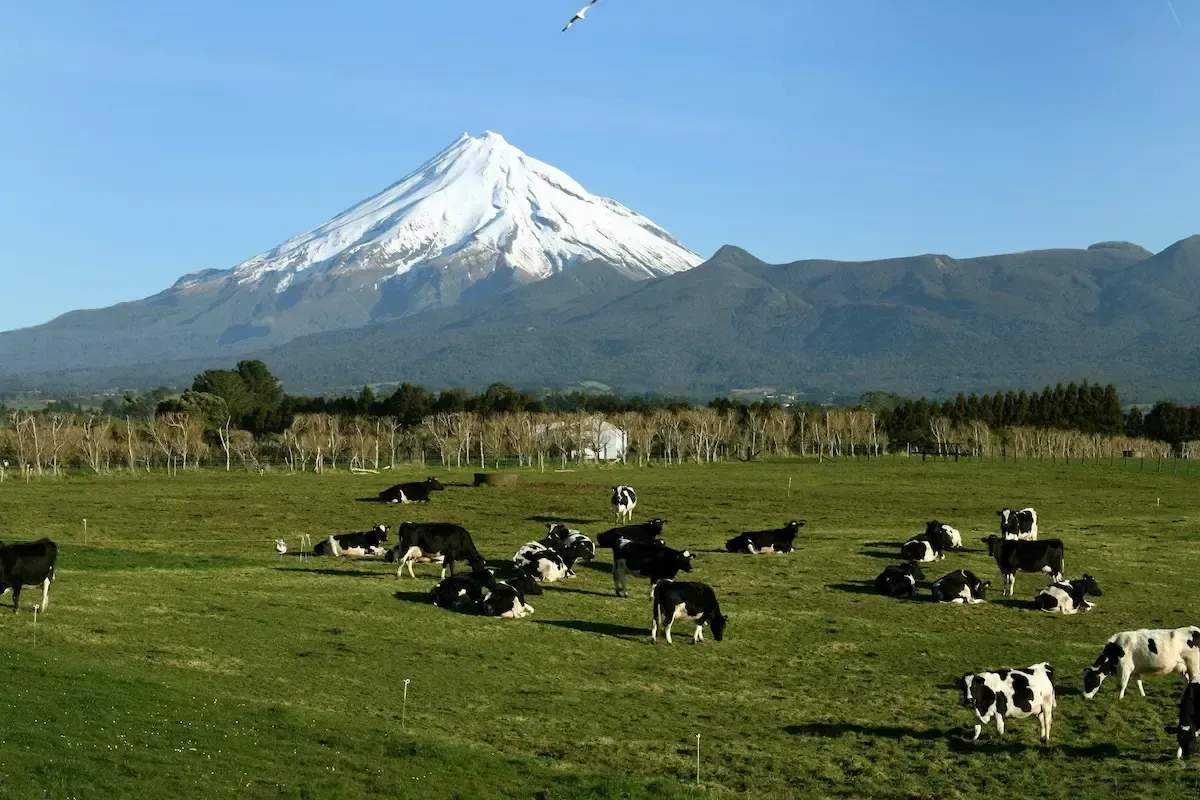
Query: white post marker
point(404, 707)
point(789, 486)
point(36, 609)
point(697, 759)
point(85, 532)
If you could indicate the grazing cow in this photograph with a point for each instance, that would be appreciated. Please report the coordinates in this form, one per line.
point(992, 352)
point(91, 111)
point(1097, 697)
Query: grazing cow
point(686, 600)
point(366, 543)
point(1132, 654)
point(430, 539)
point(779, 540)
point(654, 561)
point(937, 531)
point(1189, 720)
point(504, 600)
point(27, 564)
point(1018, 524)
point(921, 549)
point(1014, 556)
point(546, 565)
point(414, 492)
point(1067, 597)
point(1011, 693)
point(624, 500)
point(645, 532)
point(960, 586)
point(899, 581)
point(461, 592)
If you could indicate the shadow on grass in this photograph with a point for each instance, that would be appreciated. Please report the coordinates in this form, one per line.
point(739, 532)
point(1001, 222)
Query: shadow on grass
point(341, 573)
point(600, 566)
point(554, 589)
point(835, 730)
point(958, 740)
point(1012, 602)
point(880, 554)
point(375, 500)
point(563, 520)
point(883, 544)
point(602, 628)
point(414, 597)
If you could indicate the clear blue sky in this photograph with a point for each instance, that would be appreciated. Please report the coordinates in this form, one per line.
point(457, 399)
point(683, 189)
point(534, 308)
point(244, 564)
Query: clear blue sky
point(143, 140)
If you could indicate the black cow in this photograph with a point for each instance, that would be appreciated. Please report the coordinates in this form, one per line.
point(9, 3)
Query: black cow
point(644, 532)
point(1013, 556)
point(461, 592)
point(522, 577)
point(365, 543)
point(899, 581)
point(686, 600)
point(779, 540)
point(414, 492)
point(431, 539)
point(960, 586)
point(655, 561)
point(1189, 720)
point(27, 564)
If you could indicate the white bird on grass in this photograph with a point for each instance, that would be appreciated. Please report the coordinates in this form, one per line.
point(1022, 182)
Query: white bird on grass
point(280, 546)
point(579, 15)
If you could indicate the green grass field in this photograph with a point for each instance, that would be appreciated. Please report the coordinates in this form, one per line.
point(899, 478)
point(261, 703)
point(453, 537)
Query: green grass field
point(180, 657)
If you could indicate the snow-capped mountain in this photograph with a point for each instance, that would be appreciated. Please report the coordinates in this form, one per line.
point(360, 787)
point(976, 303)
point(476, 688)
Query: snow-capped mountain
point(478, 219)
point(481, 205)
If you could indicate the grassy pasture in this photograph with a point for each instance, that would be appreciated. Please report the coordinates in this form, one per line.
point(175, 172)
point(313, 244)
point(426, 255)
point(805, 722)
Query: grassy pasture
point(180, 657)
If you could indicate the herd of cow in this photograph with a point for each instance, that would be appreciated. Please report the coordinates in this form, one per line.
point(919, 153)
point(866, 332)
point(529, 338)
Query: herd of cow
point(500, 589)
point(1029, 691)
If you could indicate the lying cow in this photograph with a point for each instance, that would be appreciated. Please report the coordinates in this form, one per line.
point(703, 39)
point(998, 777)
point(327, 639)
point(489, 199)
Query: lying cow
point(673, 601)
point(429, 540)
point(504, 600)
point(654, 561)
point(1189, 720)
point(779, 540)
point(949, 537)
point(365, 543)
point(1011, 693)
point(1014, 556)
point(645, 532)
point(414, 492)
point(960, 586)
point(1132, 654)
point(899, 581)
point(1018, 524)
point(572, 545)
point(27, 564)
point(545, 564)
point(1067, 597)
point(461, 592)
point(922, 549)
point(624, 499)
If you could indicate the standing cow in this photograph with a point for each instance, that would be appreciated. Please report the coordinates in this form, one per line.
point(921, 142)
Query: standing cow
point(1132, 654)
point(624, 500)
point(1014, 556)
point(1018, 524)
point(1189, 720)
point(27, 564)
point(1011, 693)
point(672, 601)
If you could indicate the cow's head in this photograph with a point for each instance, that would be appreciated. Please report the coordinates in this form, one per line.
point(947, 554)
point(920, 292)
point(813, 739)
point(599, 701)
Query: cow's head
point(967, 683)
point(717, 626)
point(796, 525)
point(1105, 665)
point(684, 561)
point(914, 570)
point(657, 523)
point(1193, 640)
point(932, 526)
point(979, 589)
point(1184, 734)
point(434, 485)
point(1009, 525)
point(992, 543)
point(1089, 585)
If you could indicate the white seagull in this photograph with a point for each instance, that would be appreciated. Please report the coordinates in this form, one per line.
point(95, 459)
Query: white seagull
point(280, 546)
point(579, 15)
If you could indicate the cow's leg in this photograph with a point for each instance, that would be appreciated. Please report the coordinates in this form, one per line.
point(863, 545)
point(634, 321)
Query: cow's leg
point(1124, 683)
point(699, 635)
point(1010, 584)
point(654, 623)
point(1048, 712)
point(1000, 724)
point(45, 593)
point(670, 622)
point(1141, 689)
point(619, 576)
point(16, 595)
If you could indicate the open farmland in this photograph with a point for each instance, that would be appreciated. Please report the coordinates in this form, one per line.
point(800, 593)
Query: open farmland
point(181, 657)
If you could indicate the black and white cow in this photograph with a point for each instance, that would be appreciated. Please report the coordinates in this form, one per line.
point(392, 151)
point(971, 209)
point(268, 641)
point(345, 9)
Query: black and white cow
point(523, 578)
point(624, 500)
point(1189, 720)
point(414, 492)
point(654, 561)
point(27, 564)
point(645, 532)
point(572, 545)
point(1011, 693)
point(1014, 556)
point(1132, 654)
point(921, 549)
point(779, 540)
point(1018, 524)
point(960, 586)
point(364, 543)
point(420, 540)
point(1067, 597)
point(899, 581)
point(504, 600)
point(547, 565)
point(940, 532)
point(686, 600)
point(462, 592)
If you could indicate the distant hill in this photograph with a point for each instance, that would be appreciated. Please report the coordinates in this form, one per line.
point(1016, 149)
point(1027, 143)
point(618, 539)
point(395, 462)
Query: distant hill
point(924, 324)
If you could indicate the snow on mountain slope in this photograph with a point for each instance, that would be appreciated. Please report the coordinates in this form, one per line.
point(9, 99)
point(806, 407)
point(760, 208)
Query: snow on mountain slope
point(479, 203)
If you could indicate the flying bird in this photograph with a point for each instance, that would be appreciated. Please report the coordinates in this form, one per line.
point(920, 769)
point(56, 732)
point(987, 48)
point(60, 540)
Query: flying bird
point(280, 546)
point(579, 15)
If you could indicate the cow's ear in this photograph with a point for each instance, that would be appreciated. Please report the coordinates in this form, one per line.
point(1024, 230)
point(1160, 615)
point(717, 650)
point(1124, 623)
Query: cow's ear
point(1172, 729)
point(999, 513)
